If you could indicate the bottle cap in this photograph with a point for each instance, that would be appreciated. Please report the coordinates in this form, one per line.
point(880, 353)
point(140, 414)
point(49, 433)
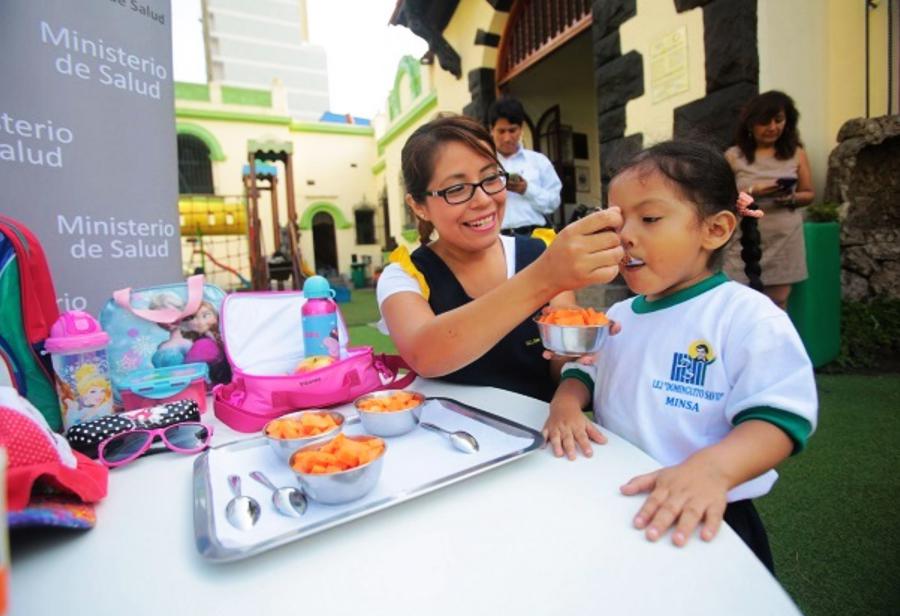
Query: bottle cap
point(75, 331)
point(316, 287)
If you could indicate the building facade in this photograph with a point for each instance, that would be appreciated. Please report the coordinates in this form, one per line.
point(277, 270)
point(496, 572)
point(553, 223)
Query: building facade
point(600, 80)
point(330, 177)
point(248, 43)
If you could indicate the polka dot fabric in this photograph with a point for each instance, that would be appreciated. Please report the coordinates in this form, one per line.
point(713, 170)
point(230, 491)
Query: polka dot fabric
point(86, 437)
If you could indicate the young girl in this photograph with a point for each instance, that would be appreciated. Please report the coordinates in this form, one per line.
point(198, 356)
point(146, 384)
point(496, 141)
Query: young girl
point(94, 395)
point(202, 329)
point(460, 306)
point(707, 376)
point(171, 351)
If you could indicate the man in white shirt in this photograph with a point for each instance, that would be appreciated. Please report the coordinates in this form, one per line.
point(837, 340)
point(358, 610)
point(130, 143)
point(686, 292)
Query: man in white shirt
point(533, 189)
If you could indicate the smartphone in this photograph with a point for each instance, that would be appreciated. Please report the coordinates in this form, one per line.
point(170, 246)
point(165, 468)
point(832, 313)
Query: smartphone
point(786, 183)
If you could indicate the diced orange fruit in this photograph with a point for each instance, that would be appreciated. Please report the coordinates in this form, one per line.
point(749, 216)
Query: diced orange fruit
point(338, 454)
point(573, 316)
point(308, 424)
point(398, 401)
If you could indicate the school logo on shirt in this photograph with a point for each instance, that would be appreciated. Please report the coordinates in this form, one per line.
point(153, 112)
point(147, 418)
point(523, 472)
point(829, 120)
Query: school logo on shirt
point(685, 388)
point(690, 367)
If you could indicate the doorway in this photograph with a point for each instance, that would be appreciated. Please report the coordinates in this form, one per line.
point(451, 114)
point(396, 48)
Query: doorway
point(324, 244)
point(559, 92)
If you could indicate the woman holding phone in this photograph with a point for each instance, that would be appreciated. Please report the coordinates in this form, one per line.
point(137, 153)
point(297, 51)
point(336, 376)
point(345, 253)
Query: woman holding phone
point(770, 164)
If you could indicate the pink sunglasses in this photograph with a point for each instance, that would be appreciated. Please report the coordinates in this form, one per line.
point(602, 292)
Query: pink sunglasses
point(186, 437)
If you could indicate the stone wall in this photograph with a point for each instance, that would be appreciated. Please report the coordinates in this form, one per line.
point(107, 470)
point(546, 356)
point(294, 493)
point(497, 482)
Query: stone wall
point(864, 177)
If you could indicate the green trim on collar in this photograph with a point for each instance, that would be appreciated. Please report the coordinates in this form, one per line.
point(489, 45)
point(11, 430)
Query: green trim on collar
point(641, 305)
point(797, 428)
point(579, 375)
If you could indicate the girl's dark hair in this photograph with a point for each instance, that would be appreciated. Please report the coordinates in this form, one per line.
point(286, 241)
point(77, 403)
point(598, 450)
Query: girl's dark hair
point(421, 150)
point(703, 176)
point(760, 110)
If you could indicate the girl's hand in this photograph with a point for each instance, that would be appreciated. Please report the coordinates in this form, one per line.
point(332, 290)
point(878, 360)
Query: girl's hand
point(682, 496)
point(567, 430)
point(586, 252)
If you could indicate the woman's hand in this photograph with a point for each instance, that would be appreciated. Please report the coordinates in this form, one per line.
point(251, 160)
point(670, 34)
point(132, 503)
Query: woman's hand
point(567, 430)
point(789, 201)
point(585, 252)
point(683, 496)
point(765, 190)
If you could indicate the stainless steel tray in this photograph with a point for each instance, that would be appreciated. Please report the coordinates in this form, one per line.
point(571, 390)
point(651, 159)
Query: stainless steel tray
point(501, 441)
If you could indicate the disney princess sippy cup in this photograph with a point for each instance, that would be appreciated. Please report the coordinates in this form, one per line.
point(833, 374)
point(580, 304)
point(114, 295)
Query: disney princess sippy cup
point(77, 347)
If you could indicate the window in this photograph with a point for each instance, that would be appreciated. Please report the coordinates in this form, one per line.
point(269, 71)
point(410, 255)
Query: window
point(365, 226)
point(194, 167)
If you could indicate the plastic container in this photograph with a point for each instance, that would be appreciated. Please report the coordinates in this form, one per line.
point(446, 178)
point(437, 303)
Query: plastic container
point(319, 319)
point(77, 347)
point(358, 275)
point(815, 304)
point(153, 386)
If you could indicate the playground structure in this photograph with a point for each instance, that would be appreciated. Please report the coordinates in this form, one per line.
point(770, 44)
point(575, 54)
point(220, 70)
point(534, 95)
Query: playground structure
point(285, 262)
point(222, 237)
point(214, 239)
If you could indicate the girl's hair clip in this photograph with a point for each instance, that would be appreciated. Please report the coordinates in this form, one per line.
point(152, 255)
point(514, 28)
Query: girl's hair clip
point(744, 201)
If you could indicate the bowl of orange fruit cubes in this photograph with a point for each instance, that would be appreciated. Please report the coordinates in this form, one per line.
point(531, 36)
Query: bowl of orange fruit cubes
point(572, 330)
point(390, 413)
point(341, 470)
point(290, 432)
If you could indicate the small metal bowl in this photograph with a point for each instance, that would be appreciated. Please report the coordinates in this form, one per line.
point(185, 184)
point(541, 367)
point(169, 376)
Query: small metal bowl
point(390, 423)
point(572, 339)
point(342, 487)
point(285, 447)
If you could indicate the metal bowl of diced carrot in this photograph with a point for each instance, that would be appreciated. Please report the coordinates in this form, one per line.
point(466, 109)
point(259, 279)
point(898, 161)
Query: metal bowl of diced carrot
point(390, 413)
point(290, 432)
point(342, 470)
point(572, 331)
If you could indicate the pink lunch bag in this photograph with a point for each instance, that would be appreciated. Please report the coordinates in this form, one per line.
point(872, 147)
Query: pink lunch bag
point(263, 340)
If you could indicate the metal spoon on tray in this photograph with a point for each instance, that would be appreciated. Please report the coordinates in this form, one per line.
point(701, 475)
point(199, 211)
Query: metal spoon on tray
point(460, 439)
point(288, 500)
point(242, 511)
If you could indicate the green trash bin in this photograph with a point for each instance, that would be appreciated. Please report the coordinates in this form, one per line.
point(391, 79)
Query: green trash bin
point(358, 275)
point(815, 304)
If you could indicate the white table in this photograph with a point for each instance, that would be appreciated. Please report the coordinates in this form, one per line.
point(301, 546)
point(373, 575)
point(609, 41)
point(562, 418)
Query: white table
point(538, 536)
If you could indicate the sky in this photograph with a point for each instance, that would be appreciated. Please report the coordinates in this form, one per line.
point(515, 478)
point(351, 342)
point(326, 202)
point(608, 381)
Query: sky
point(363, 51)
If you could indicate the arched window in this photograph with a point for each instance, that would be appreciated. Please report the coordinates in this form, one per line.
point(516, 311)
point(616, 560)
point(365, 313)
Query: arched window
point(194, 167)
point(365, 225)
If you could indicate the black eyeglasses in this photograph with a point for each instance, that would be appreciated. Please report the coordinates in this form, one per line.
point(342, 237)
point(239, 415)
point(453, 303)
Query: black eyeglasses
point(460, 193)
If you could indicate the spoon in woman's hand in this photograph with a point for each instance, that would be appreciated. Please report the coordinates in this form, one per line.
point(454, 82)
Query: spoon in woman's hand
point(463, 441)
point(242, 511)
point(288, 500)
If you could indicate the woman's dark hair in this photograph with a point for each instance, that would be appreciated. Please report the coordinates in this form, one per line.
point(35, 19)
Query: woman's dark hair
point(421, 149)
point(508, 108)
point(703, 177)
point(760, 110)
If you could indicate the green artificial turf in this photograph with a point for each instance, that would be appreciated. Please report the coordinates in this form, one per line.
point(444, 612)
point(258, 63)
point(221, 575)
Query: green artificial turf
point(361, 309)
point(360, 313)
point(831, 518)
